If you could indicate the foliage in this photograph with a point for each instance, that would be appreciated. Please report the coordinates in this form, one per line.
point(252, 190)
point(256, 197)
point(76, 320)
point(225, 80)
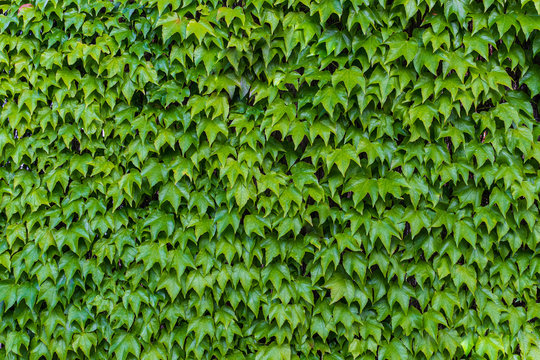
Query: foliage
point(331, 179)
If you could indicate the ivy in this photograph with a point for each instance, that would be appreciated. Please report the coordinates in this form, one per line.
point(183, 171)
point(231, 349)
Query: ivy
point(265, 180)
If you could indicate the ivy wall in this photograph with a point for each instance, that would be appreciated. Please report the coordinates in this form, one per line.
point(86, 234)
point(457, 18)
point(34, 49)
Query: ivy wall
point(290, 179)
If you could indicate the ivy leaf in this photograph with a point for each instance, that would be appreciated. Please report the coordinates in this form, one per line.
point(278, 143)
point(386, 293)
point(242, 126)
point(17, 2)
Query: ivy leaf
point(490, 345)
point(326, 8)
point(340, 287)
point(465, 275)
point(530, 78)
point(172, 24)
point(407, 49)
point(162, 5)
point(123, 344)
point(200, 29)
point(330, 97)
point(85, 342)
point(460, 8)
point(15, 340)
point(351, 77)
point(393, 350)
point(278, 352)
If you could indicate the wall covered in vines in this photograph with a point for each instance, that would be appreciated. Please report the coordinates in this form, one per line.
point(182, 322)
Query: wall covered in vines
point(290, 179)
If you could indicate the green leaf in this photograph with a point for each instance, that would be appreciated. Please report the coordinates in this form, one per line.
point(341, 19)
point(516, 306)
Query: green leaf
point(341, 287)
point(200, 29)
point(330, 97)
point(407, 49)
point(460, 8)
point(351, 77)
point(278, 352)
point(123, 344)
point(530, 78)
point(85, 342)
point(490, 345)
point(172, 24)
point(465, 275)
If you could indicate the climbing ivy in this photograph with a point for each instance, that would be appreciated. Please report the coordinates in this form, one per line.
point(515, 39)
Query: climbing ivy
point(330, 179)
